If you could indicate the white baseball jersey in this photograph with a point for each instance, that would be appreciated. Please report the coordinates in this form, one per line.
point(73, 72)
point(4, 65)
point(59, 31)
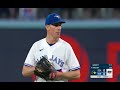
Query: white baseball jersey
point(61, 55)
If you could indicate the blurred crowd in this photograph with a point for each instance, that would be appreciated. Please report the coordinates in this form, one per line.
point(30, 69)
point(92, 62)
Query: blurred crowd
point(67, 13)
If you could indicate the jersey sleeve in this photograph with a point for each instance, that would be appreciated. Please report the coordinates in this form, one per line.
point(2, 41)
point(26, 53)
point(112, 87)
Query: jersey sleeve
point(30, 60)
point(72, 60)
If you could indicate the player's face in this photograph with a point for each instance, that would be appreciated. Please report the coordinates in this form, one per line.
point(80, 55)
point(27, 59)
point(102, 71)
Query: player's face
point(55, 30)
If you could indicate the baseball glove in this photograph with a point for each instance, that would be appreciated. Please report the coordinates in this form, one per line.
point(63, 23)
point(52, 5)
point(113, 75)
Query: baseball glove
point(44, 68)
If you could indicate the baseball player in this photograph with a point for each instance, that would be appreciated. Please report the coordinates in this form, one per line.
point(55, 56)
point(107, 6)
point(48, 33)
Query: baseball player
point(58, 52)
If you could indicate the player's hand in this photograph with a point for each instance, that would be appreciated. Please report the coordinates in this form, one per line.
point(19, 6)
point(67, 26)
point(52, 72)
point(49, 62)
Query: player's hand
point(55, 75)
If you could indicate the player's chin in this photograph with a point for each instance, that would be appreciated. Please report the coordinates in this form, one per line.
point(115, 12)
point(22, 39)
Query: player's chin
point(58, 36)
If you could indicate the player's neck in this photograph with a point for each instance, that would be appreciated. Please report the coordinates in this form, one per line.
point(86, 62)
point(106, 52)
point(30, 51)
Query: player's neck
point(51, 40)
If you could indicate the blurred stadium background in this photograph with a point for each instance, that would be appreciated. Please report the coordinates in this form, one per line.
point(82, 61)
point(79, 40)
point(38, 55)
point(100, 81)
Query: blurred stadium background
point(67, 13)
point(96, 31)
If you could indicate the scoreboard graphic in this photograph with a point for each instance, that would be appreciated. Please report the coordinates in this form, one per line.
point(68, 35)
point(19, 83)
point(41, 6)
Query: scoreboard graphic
point(101, 71)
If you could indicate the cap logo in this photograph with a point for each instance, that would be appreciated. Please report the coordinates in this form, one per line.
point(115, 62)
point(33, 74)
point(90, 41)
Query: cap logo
point(57, 16)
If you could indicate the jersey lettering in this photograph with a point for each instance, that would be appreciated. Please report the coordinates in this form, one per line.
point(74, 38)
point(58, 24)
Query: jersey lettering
point(57, 60)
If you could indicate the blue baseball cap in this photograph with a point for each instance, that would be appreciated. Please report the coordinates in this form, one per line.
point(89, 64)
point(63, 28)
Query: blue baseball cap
point(53, 18)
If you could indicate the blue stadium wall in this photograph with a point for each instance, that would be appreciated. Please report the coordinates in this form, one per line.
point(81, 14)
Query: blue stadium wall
point(16, 38)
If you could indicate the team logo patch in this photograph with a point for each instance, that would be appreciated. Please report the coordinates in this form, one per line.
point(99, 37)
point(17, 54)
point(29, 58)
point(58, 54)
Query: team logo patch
point(57, 16)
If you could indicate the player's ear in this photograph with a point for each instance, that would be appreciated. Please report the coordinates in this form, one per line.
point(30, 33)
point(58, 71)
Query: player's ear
point(47, 27)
